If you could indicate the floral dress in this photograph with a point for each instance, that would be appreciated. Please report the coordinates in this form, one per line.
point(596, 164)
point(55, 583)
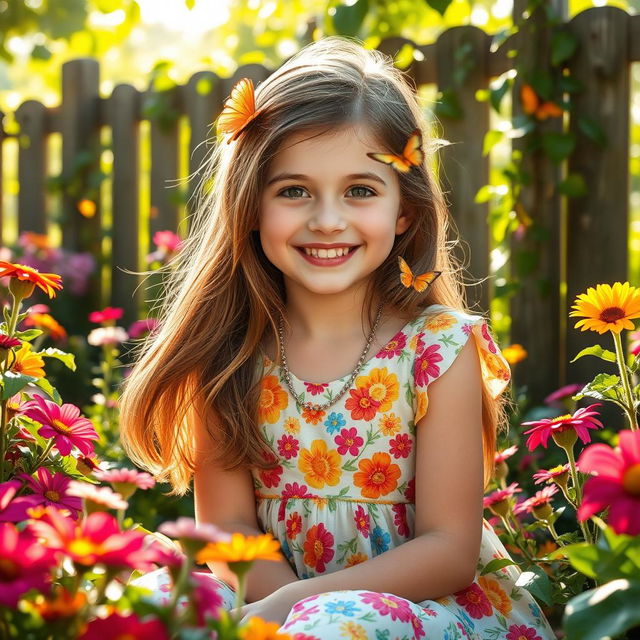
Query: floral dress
point(342, 490)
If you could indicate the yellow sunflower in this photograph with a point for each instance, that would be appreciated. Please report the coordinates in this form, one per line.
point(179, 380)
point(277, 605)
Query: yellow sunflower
point(27, 362)
point(607, 308)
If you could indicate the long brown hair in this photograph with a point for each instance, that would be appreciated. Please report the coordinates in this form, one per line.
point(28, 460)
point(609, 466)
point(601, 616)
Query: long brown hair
point(222, 294)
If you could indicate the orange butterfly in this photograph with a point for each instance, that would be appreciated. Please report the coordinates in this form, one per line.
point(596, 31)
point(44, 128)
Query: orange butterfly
point(412, 154)
point(239, 109)
point(419, 283)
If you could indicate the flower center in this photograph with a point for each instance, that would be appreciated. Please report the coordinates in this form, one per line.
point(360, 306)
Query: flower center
point(8, 569)
point(52, 495)
point(318, 548)
point(320, 466)
point(378, 477)
point(611, 314)
point(378, 391)
point(60, 426)
point(631, 480)
point(561, 418)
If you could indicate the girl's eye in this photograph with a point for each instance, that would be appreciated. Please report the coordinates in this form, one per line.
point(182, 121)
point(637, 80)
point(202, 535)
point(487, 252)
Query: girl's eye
point(299, 191)
point(363, 191)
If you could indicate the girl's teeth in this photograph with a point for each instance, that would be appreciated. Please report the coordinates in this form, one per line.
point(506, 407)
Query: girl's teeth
point(326, 253)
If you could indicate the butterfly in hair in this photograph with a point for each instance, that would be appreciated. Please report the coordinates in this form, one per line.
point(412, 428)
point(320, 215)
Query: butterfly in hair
point(419, 283)
point(412, 154)
point(239, 110)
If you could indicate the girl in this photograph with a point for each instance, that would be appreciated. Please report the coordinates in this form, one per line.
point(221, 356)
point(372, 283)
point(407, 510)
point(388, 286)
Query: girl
point(314, 390)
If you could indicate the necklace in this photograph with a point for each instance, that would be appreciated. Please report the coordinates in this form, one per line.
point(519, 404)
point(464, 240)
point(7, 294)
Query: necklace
point(345, 388)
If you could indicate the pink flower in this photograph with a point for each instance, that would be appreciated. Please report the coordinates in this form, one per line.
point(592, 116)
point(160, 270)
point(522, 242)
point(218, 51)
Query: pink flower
point(556, 474)
point(572, 426)
point(54, 489)
point(315, 389)
point(125, 481)
point(400, 519)
point(26, 564)
point(555, 399)
point(15, 509)
point(167, 240)
point(187, 528)
point(522, 632)
point(475, 601)
point(108, 313)
point(98, 496)
point(634, 345)
point(616, 482)
point(499, 502)
point(294, 490)
point(349, 440)
point(501, 456)
point(124, 626)
point(206, 595)
point(96, 539)
point(107, 336)
point(288, 447)
point(425, 366)
point(137, 328)
point(394, 347)
point(400, 446)
point(63, 423)
point(362, 520)
point(388, 605)
point(537, 503)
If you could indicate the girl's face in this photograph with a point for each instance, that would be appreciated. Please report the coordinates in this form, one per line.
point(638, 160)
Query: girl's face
point(325, 192)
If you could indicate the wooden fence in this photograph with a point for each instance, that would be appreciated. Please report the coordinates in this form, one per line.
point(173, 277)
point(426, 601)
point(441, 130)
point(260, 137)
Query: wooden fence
point(588, 240)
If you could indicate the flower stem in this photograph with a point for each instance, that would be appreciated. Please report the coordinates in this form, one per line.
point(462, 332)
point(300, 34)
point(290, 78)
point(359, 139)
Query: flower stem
point(622, 366)
point(178, 588)
point(45, 453)
point(242, 584)
point(578, 489)
point(3, 437)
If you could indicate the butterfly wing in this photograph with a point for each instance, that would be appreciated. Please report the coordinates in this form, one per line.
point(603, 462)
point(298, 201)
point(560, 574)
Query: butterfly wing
point(422, 281)
point(412, 153)
point(239, 109)
point(406, 275)
point(397, 162)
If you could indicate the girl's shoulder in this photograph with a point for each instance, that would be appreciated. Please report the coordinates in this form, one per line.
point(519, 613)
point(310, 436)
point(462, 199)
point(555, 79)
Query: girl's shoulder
point(440, 332)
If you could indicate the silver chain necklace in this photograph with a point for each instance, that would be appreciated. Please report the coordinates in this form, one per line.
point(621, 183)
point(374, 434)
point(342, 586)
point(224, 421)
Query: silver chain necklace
point(347, 385)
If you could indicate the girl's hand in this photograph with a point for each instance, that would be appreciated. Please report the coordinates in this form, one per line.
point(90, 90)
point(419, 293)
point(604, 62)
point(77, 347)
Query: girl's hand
point(274, 608)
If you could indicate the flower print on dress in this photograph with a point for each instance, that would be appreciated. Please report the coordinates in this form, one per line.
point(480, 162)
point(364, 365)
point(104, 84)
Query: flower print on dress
point(425, 365)
point(401, 445)
point(294, 525)
point(315, 389)
point(342, 607)
point(388, 605)
point(363, 521)
point(355, 559)
point(334, 423)
point(361, 404)
point(273, 399)
point(382, 387)
point(313, 416)
point(318, 547)
point(439, 322)
point(522, 632)
point(400, 519)
point(496, 594)
point(349, 441)
point(288, 447)
point(490, 343)
point(380, 540)
point(378, 476)
point(475, 601)
point(320, 465)
point(389, 424)
point(271, 477)
point(353, 631)
point(394, 347)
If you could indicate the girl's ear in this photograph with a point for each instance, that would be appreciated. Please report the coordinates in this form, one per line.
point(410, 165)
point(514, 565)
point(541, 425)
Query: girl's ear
point(403, 221)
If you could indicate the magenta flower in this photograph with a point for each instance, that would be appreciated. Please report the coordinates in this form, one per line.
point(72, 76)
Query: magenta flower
point(14, 509)
point(25, 564)
point(538, 504)
point(7, 342)
point(206, 595)
point(616, 482)
point(137, 328)
point(501, 456)
point(555, 399)
point(500, 501)
point(124, 626)
point(63, 423)
point(634, 344)
point(167, 240)
point(572, 426)
point(53, 489)
point(187, 528)
point(556, 474)
point(126, 481)
point(388, 605)
point(425, 366)
point(108, 313)
point(349, 440)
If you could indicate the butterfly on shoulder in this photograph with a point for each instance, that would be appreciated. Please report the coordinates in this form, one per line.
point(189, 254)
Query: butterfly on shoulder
point(412, 154)
point(420, 282)
point(239, 110)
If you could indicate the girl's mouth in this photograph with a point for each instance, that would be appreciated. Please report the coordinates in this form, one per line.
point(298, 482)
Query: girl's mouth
point(326, 262)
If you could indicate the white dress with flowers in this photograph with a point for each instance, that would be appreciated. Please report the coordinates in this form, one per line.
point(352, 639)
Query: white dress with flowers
point(343, 491)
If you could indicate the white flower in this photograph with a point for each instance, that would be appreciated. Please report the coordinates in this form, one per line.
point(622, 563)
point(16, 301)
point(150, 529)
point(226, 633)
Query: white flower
point(107, 335)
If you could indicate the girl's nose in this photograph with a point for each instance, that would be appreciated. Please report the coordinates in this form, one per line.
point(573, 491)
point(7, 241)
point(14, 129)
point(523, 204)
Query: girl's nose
point(327, 217)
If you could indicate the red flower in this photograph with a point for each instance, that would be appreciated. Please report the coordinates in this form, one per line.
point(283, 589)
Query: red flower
point(425, 365)
point(295, 491)
point(361, 404)
point(616, 483)
point(362, 521)
point(522, 632)
point(294, 525)
point(410, 491)
point(288, 447)
point(388, 605)
point(108, 313)
point(62, 423)
point(572, 426)
point(394, 347)
point(120, 626)
point(400, 519)
point(271, 477)
point(318, 547)
point(349, 440)
point(475, 601)
point(400, 446)
point(315, 389)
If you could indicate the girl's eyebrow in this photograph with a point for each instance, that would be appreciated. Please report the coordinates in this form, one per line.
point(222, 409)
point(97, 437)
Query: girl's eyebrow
point(300, 176)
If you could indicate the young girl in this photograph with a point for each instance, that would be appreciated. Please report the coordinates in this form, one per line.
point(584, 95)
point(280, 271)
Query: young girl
point(317, 372)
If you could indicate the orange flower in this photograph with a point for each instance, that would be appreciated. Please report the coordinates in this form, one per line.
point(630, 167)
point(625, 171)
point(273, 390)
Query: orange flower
point(497, 596)
point(47, 323)
point(514, 353)
point(383, 387)
point(28, 363)
point(63, 605)
point(389, 424)
point(356, 558)
point(377, 476)
point(273, 399)
point(361, 405)
point(38, 240)
point(319, 465)
point(259, 629)
point(312, 416)
point(422, 401)
point(87, 208)
point(48, 282)
point(241, 548)
point(439, 321)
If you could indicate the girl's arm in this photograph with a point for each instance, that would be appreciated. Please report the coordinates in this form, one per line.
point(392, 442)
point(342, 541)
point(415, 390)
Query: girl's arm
point(449, 488)
point(226, 499)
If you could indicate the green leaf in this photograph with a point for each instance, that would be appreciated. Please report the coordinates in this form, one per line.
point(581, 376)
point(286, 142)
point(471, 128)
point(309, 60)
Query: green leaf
point(584, 557)
point(49, 389)
point(498, 93)
point(563, 46)
point(447, 105)
point(440, 6)
point(592, 129)
point(604, 612)
point(573, 186)
point(66, 358)
point(536, 582)
point(13, 382)
point(491, 139)
point(29, 334)
point(484, 194)
point(496, 564)
point(558, 146)
point(597, 350)
point(348, 18)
